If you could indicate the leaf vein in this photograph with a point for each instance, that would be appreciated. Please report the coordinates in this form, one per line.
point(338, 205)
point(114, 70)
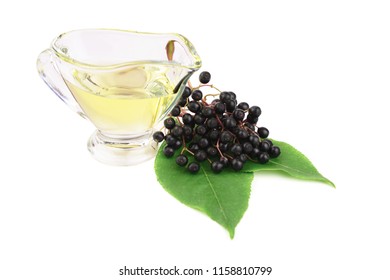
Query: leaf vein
point(288, 167)
point(216, 197)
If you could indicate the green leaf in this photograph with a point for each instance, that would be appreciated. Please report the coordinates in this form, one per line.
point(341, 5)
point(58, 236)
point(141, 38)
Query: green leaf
point(223, 197)
point(291, 161)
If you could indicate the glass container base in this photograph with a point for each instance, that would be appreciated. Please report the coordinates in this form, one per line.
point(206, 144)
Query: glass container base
point(123, 150)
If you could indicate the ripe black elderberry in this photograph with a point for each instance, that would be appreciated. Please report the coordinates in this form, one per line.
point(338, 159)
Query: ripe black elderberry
point(239, 114)
point(224, 96)
point(158, 136)
point(200, 155)
point(187, 118)
point(199, 119)
point(230, 105)
point(207, 112)
point(169, 151)
point(263, 158)
point(224, 161)
point(177, 131)
point(274, 152)
point(264, 146)
point(263, 132)
point(236, 149)
point(237, 164)
point(194, 106)
point(203, 143)
point(182, 102)
point(186, 93)
point(226, 137)
point(187, 130)
point(247, 147)
point(242, 157)
point(217, 166)
point(176, 111)
point(219, 108)
point(255, 141)
point(212, 123)
point(212, 151)
point(254, 111)
point(201, 130)
point(169, 123)
point(230, 122)
point(243, 106)
point(181, 160)
point(193, 167)
point(197, 95)
point(214, 134)
point(194, 147)
point(204, 77)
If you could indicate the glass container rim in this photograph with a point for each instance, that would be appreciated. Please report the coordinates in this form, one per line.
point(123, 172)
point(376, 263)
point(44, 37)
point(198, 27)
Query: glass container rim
point(197, 63)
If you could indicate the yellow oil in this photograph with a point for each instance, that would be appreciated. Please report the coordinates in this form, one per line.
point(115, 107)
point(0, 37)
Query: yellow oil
point(126, 101)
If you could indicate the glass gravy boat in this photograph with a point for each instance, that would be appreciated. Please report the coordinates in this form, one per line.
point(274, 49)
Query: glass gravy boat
point(124, 82)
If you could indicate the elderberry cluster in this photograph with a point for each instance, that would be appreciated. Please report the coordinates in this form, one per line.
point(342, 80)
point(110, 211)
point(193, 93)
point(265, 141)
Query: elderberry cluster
point(223, 132)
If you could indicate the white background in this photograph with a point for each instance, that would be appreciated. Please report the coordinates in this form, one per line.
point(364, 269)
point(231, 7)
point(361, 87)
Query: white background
point(320, 70)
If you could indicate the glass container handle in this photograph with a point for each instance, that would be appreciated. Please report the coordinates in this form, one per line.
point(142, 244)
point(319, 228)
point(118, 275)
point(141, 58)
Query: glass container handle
point(48, 70)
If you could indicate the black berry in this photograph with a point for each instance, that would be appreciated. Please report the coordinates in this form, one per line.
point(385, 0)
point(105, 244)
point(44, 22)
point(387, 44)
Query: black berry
point(187, 118)
point(243, 106)
point(255, 111)
point(263, 158)
point(158, 136)
point(207, 112)
point(212, 151)
point(219, 108)
point(199, 119)
point(263, 132)
point(203, 143)
point(194, 147)
point(222, 131)
point(230, 122)
point(242, 133)
point(212, 123)
point(237, 164)
point(236, 149)
point(255, 141)
point(176, 111)
point(214, 134)
point(224, 96)
point(201, 129)
point(200, 155)
point(168, 151)
point(217, 166)
point(170, 140)
point(193, 167)
point(247, 147)
point(274, 152)
point(204, 77)
point(187, 130)
point(181, 160)
point(197, 95)
point(226, 137)
point(186, 92)
point(193, 106)
point(239, 114)
point(182, 102)
point(243, 157)
point(177, 131)
point(169, 123)
point(264, 146)
point(224, 161)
